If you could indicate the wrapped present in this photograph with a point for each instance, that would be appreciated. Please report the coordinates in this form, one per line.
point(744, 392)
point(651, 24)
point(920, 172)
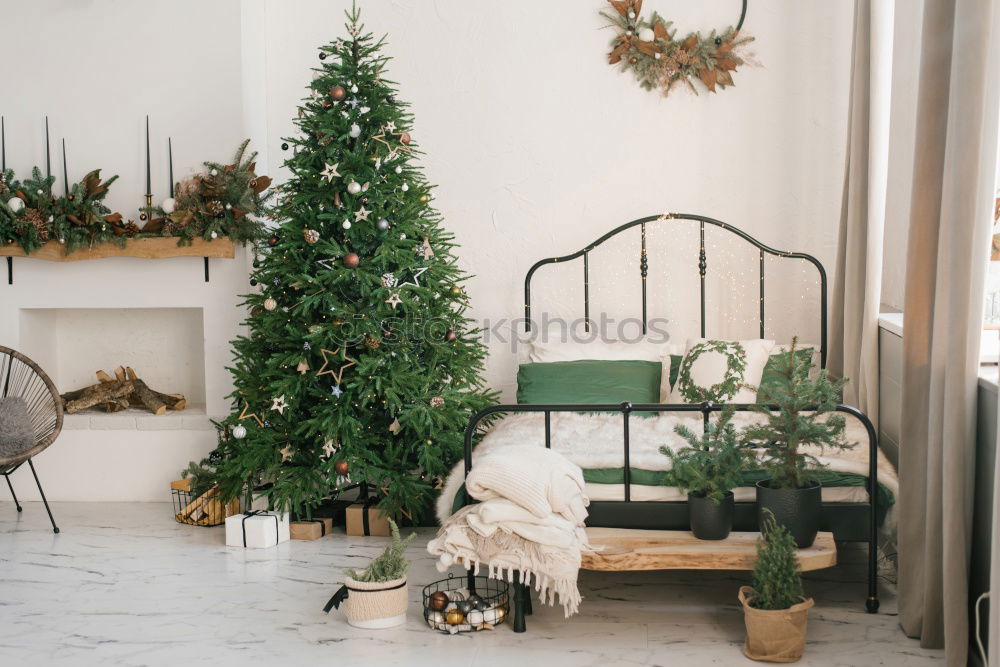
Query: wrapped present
point(257, 529)
point(310, 529)
point(334, 509)
point(365, 519)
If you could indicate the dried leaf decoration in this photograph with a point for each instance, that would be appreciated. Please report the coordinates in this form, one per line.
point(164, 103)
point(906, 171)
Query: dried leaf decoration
point(668, 59)
point(113, 219)
point(261, 183)
point(92, 185)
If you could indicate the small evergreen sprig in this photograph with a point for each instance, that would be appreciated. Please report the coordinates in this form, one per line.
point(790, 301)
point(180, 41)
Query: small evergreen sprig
point(799, 411)
point(777, 583)
point(714, 462)
point(390, 564)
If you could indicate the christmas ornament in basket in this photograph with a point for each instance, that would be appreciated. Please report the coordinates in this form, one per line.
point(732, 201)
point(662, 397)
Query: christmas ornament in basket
point(451, 606)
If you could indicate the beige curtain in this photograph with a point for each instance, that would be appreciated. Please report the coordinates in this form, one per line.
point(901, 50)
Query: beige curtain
point(857, 285)
point(950, 221)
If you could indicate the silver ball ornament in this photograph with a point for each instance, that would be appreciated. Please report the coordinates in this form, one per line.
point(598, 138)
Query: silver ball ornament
point(214, 172)
point(405, 187)
point(169, 205)
point(214, 235)
point(270, 304)
point(354, 187)
point(399, 170)
point(15, 204)
point(346, 224)
point(355, 131)
point(382, 224)
point(239, 431)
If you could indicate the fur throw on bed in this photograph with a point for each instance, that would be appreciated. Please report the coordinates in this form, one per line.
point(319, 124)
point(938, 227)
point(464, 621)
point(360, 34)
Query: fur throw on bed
point(530, 520)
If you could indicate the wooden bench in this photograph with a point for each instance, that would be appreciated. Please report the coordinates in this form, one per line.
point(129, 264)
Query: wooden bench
point(626, 549)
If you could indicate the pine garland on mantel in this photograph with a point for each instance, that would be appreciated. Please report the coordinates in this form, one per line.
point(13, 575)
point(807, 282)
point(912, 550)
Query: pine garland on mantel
point(224, 200)
point(660, 59)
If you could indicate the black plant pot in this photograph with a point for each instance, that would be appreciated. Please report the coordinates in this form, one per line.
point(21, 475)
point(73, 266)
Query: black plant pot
point(708, 520)
point(796, 509)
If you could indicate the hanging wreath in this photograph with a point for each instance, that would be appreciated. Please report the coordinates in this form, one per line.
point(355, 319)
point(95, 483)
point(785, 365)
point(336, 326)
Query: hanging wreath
point(660, 59)
point(725, 390)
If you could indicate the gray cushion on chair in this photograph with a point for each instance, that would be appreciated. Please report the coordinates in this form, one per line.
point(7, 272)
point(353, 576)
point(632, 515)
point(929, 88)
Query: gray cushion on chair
point(16, 433)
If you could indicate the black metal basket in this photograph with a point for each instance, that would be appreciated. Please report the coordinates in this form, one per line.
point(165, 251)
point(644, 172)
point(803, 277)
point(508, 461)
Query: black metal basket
point(203, 510)
point(483, 607)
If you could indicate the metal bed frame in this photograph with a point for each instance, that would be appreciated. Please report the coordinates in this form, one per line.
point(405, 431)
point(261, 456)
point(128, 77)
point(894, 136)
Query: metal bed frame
point(849, 522)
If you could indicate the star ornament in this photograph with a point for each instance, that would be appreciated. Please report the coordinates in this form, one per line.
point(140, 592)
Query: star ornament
point(279, 404)
point(286, 452)
point(336, 392)
point(331, 171)
point(361, 214)
point(394, 299)
point(424, 249)
point(253, 416)
point(329, 448)
point(416, 277)
point(331, 356)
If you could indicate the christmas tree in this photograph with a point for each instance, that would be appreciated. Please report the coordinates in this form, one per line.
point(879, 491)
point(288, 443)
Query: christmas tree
point(360, 365)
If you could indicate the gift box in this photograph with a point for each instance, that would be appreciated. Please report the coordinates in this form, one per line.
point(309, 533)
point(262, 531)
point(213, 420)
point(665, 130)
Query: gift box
point(365, 519)
point(257, 529)
point(310, 529)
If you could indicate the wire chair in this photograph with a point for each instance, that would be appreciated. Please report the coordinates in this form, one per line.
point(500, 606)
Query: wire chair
point(21, 377)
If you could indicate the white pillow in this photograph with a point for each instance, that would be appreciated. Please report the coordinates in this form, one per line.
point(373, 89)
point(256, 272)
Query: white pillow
point(711, 367)
point(600, 350)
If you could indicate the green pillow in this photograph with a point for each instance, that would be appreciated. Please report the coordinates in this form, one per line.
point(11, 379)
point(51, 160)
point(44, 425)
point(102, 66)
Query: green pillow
point(675, 368)
point(770, 375)
point(589, 381)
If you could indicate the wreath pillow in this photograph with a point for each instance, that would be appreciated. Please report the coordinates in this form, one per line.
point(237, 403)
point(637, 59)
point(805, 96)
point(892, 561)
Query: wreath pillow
point(717, 370)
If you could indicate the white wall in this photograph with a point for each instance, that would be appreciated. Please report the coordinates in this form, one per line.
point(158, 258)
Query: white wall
point(538, 146)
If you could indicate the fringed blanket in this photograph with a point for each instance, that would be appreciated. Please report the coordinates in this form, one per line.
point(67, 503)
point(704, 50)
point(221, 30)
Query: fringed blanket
point(530, 521)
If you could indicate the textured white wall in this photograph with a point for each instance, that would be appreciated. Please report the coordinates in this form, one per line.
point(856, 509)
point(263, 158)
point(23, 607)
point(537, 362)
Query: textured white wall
point(539, 147)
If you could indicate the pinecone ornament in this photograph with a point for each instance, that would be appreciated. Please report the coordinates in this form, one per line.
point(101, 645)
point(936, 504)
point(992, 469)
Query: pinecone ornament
point(215, 207)
point(372, 343)
point(131, 229)
point(33, 218)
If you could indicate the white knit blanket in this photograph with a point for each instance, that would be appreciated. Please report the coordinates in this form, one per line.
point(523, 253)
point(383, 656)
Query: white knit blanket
point(530, 520)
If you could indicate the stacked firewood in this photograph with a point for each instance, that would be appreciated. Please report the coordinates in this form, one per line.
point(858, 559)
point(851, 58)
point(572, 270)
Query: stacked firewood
point(121, 392)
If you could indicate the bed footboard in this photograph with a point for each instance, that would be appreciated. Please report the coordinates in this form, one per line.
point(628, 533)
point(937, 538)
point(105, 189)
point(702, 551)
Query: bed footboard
point(849, 522)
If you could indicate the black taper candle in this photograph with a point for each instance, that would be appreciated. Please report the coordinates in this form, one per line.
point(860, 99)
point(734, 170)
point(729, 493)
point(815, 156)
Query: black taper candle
point(149, 182)
point(170, 164)
point(48, 156)
point(3, 145)
point(65, 171)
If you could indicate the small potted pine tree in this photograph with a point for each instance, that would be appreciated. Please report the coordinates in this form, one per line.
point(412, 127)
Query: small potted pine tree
point(708, 470)
point(774, 609)
point(376, 597)
point(799, 411)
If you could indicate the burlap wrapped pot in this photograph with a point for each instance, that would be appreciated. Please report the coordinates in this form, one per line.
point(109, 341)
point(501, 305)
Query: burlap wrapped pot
point(375, 604)
point(777, 635)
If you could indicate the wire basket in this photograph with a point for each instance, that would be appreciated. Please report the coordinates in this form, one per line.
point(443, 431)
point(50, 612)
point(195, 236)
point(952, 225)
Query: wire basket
point(203, 510)
point(461, 610)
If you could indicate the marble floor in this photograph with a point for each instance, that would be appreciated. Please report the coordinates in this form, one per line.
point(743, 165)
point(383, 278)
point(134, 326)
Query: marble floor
point(123, 584)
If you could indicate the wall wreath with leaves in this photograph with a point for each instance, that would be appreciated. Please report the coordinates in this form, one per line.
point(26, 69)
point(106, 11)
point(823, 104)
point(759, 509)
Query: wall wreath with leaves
point(660, 59)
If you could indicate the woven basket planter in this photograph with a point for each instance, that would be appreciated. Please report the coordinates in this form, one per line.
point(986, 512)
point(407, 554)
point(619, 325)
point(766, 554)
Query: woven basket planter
point(375, 604)
point(777, 635)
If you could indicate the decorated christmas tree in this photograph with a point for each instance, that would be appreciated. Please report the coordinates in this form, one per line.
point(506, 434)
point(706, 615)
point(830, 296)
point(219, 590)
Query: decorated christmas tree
point(360, 365)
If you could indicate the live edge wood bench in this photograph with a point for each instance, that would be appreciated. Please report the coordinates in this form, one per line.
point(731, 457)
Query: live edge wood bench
point(627, 550)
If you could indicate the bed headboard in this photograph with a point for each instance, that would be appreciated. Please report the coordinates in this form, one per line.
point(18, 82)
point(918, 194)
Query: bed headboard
point(702, 269)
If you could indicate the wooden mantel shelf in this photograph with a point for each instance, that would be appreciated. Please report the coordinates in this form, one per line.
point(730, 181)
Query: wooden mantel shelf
point(622, 549)
point(158, 247)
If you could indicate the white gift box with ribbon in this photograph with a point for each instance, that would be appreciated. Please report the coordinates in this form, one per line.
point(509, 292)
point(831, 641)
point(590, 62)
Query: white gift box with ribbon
point(257, 529)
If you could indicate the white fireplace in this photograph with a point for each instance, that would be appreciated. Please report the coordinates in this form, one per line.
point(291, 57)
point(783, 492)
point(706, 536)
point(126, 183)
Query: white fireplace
point(76, 318)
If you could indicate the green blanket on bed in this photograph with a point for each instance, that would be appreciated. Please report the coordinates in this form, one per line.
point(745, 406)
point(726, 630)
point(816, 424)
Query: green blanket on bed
point(828, 478)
